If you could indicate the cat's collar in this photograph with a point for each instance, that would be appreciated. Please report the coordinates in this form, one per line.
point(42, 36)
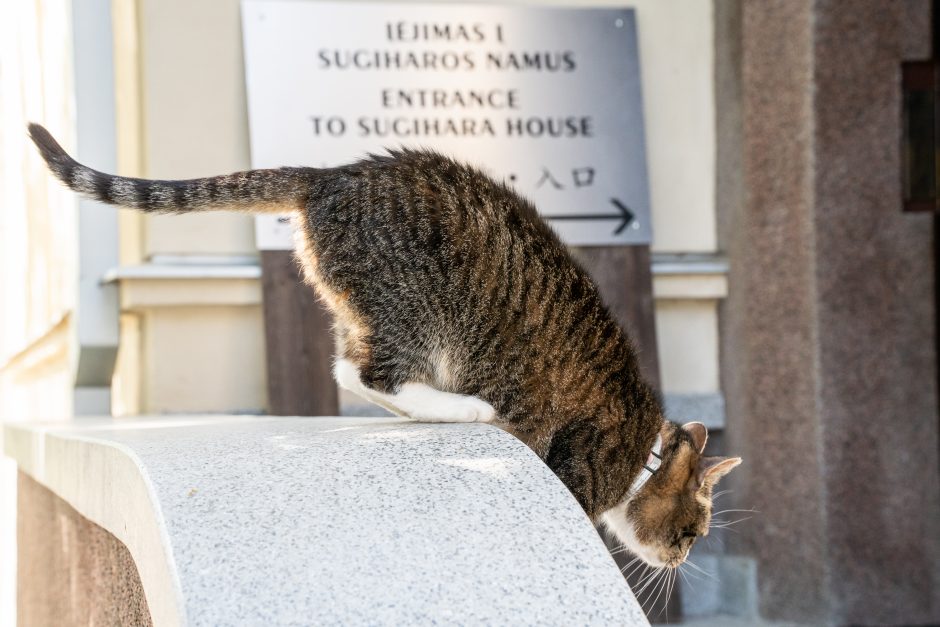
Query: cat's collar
point(653, 461)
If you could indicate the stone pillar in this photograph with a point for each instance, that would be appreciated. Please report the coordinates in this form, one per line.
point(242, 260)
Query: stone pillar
point(829, 359)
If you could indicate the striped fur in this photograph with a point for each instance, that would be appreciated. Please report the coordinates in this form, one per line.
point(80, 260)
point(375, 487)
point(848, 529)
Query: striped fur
point(257, 191)
point(438, 275)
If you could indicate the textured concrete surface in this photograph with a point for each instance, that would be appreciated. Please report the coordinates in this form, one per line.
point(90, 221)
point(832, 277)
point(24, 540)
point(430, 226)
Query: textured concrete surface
point(771, 385)
point(829, 356)
point(874, 285)
point(294, 521)
point(71, 572)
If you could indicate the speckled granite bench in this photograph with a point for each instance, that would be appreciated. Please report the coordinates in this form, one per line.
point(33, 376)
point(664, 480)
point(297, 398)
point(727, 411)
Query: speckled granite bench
point(299, 521)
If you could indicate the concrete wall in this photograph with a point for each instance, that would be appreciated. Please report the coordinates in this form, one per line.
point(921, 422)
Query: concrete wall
point(829, 330)
point(78, 574)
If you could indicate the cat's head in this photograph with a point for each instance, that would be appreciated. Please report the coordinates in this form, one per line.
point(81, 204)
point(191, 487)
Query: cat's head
point(661, 521)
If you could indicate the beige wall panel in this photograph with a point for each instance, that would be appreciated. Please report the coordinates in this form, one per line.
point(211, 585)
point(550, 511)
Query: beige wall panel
point(126, 386)
point(41, 393)
point(193, 292)
point(128, 122)
point(203, 359)
point(677, 56)
point(195, 117)
point(687, 335)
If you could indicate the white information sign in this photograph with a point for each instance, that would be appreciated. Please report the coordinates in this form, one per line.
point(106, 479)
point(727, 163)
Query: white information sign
point(547, 99)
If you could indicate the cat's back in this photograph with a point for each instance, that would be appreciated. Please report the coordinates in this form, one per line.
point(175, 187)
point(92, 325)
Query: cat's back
point(409, 207)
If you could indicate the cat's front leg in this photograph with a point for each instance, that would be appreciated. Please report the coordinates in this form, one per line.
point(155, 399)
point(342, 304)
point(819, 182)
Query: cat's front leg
point(416, 400)
point(422, 402)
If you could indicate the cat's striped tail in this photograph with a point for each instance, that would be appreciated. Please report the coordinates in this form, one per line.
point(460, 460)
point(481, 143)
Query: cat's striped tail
point(257, 191)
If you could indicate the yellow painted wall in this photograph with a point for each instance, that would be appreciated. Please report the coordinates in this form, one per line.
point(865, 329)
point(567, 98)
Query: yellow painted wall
point(195, 116)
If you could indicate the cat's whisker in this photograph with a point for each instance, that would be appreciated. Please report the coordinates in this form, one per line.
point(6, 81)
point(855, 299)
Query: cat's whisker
point(700, 569)
point(685, 578)
point(636, 569)
point(721, 493)
point(658, 579)
point(645, 602)
point(693, 575)
point(641, 572)
point(650, 579)
point(629, 564)
point(639, 596)
point(646, 579)
point(664, 594)
point(661, 588)
point(726, 511)
point(669, 588)
point(724, 524)
point(652, 571)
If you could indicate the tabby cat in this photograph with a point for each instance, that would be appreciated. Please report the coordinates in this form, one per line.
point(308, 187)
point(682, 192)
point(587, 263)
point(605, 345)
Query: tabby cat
point(455, 302)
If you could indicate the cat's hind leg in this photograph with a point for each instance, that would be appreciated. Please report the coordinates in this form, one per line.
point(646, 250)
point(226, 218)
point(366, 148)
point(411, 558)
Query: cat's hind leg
point(416, 400)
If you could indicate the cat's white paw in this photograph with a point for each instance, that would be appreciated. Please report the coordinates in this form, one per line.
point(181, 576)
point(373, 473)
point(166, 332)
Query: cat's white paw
point(483, 411)
point(422, 402)
point(464, 409)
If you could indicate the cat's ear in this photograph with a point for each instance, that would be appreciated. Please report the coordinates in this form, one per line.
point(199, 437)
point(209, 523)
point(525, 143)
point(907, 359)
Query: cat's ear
point(711, 469)
point(699, 434)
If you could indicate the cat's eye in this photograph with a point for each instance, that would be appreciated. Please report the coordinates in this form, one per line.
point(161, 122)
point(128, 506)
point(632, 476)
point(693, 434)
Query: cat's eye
point(685, 535)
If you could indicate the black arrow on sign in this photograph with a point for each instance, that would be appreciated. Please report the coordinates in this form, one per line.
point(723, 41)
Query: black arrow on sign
point(625, 216)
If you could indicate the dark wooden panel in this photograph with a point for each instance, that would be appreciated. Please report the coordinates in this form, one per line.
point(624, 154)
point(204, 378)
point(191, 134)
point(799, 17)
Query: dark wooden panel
point(299, 342)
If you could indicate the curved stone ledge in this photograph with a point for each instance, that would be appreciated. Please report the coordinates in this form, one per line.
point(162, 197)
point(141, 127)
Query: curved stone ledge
point(248, 520)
